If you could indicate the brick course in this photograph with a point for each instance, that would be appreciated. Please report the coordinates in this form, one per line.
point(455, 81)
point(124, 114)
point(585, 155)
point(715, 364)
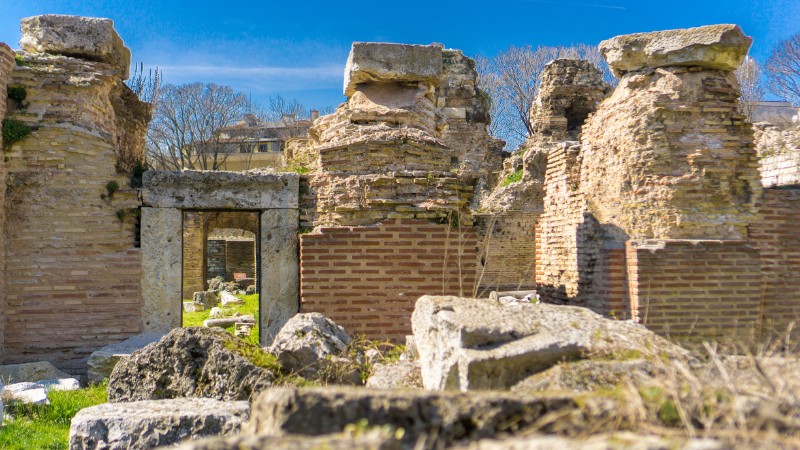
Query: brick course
point(367, 279)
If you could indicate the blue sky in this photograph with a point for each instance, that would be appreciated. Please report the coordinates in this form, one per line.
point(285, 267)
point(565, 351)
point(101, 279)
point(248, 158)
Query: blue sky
point(298, 48)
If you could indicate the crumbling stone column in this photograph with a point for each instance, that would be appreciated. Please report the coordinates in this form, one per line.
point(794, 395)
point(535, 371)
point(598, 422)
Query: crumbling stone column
point(668, 155)
point(6, 64)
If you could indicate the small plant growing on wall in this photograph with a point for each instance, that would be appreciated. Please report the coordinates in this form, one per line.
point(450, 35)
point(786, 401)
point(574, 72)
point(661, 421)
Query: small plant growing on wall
point(111, 187)
point(15, 131)
point(17, 93)
point(19, 61)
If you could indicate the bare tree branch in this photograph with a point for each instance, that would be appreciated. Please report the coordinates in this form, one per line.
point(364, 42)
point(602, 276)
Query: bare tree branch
point(783, 70)
point(749, 77)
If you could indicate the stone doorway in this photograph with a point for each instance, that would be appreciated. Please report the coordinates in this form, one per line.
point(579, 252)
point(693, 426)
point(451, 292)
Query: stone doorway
point(169, 196)
point(220, 270)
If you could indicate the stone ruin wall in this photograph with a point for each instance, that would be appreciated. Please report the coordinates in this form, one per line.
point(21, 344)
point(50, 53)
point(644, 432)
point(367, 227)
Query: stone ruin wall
point(778, 149)
point(72, 266)
point(398, 167)
point(6, 65)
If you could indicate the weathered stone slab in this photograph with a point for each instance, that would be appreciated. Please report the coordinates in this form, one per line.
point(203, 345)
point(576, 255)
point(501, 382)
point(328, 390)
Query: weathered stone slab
point(32, 372)
point(227, 299)
point(26, 392)
point(161, 268)
point(482, 344)
point(193, 306)
point(368, 440)
point(400, 375)
point(380, 61)
point(307, 343)
point(102, 362)
point(193, 362)
point(61, 384)
point(226, 322)
point(442, 416)
point(216, 189)
point(209, 299)
point(152, 423)
point(604, 441)
point(721, 47)
point(89, 38)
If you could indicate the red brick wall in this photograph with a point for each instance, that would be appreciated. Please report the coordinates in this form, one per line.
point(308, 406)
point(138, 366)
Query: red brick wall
point(776, 233)
point(367, 279)
point(695, 290)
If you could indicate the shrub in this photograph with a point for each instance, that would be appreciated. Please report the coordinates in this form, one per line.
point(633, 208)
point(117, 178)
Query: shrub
point(15, 131)
point(512, 178)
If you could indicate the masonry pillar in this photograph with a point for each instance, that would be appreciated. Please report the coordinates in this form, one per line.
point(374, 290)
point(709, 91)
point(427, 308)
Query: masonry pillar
point(6, 65)
point(161, 269)
point(280, 270)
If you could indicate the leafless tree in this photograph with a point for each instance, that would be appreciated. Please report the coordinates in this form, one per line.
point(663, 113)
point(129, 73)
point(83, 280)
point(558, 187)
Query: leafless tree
point(146, 87)
point(783, 69)
point(183, 134)
point(511, 78)
point(749, 77)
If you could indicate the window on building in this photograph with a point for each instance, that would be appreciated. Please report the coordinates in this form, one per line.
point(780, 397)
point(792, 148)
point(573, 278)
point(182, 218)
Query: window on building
point(263, 148)
point(244, 148)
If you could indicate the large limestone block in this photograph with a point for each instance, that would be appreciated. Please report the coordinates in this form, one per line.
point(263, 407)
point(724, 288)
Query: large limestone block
point(89, 38)
point(308, 342)
point(367, 440)
point(482, 344)
point(441, 418)
point(192, 362)
point(152, 423)
point(380, 61)
point(102, 362)
point(31, 372)
point(26, 392)
point(721, 47)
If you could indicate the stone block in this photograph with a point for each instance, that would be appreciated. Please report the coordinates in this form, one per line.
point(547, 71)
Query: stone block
point(720, 47)
point(228, 299)
point(102, 362)
point(226, 322)
point(216, 189)
point(26, 392)
point(32, 372)
point(89, 38)
point(152, 423)
point(280, 271)
point(161, 268)
point(379, 61)
point(61, 384)
point(193, 306)
point(209, 299)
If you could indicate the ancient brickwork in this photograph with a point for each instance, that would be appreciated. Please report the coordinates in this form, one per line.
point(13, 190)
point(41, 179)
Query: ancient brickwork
point(71, 263)
point(194, 253)
point(776, 235)
point(696, 290)
point(240, 258)
point(367, 279)
point(410, 142)
point(557, 233)
point(6, 64)
point(506, 252)
point(779, 154)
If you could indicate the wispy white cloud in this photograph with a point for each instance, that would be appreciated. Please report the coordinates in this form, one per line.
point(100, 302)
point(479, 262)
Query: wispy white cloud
point(330, 72)
point(590, 5)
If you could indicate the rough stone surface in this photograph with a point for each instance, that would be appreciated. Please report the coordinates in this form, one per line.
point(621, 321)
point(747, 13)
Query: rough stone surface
point(191, 362)
point(152, 423)
point(101, 362)
point(399, 375)
point(280, 274)
point(368, 440)
point(376, 61)
point(229, 299)
point(84, 37)
point(440, 418)
point(254, 189)
point(778, 149)
point(590, 375)
point(61, 384)
point(30, 372)
point(26, 392)
point(718, 47)
point(209, 299)
point(604, 441)
point(161, 268)
point(480, 344)
point(226, 322)
point(307, 343)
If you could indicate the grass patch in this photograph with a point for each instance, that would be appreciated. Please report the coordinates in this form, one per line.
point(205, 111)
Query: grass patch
point(47, 426)
point(250, 307)
point(512, 178)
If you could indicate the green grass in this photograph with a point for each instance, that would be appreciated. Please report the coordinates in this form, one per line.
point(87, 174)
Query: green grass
point(512, 178)
point(250, 307)
point(47, 426)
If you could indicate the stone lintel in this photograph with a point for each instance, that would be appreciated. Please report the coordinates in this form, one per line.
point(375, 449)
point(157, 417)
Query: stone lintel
point(718, 47)
point(221, 190)
point(381, 61)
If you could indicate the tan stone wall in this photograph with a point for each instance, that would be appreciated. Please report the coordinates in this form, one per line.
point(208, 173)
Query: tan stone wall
point(778, 150)
point(507, 252)
point(72, 266)
point(194, 270)
point(367, 279)
point(781, 170)
point(6, 64)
